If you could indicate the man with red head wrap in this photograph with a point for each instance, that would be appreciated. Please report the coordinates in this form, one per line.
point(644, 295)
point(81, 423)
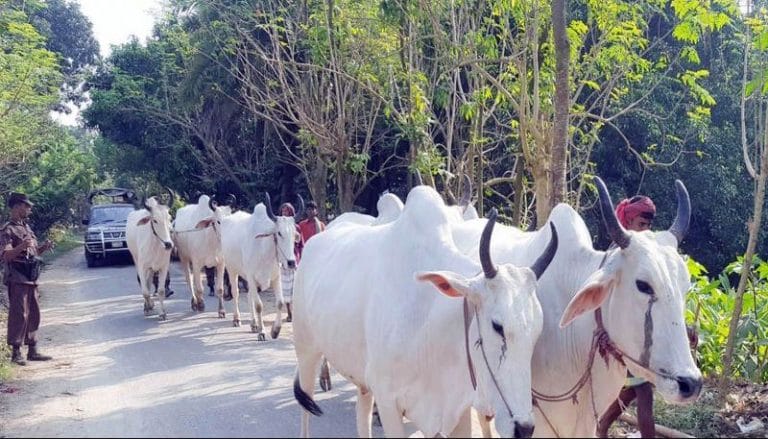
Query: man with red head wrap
point(636, 213)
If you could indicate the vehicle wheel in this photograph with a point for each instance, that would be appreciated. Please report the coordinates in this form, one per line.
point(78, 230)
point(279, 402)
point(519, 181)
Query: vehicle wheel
point(90, 260)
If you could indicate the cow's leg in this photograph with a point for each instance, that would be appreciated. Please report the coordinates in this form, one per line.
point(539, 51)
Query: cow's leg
point(325, 376)
point(210, 272)
point(227, 286)
point(161, 277)
point(364, 412)
point(391, 418)
point(220, 288)
point(235, 298)
point(257, 324)
point(485, 425)
point(464, 427)
point(307, 364)
point(280, 304)
point(186, 268)
point(145, 278)
point(197, 291)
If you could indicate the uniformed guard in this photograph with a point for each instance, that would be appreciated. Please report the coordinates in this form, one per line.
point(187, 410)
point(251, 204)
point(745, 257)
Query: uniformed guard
point(19, 253)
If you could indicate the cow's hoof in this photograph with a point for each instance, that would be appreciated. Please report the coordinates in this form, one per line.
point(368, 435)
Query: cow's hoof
point(201, 306)
point(261, 337)
point(255, 328)
point(236, 323)
point(222, 314)
point(162, 317)
point(275, 331)
point(325, 383)
point(194, 304)
point(147, 312)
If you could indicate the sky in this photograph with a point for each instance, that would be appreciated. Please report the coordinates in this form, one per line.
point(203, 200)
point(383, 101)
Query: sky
point(114, 21)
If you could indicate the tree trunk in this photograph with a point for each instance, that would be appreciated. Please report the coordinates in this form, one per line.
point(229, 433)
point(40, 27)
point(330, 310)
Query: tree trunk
point(317, 177)
point(754, 231)
point(542, 188)
point(562, 102)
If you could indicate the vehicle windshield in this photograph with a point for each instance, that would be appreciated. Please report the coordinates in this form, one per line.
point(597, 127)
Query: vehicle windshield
point(110, 214)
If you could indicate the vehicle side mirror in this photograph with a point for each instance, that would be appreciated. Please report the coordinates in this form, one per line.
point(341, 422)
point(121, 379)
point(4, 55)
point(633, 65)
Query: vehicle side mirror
point(85, 222)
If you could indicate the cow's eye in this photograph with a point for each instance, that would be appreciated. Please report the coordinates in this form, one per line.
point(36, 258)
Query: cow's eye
point(498, 328)
point(644, 287)
point(280, 234)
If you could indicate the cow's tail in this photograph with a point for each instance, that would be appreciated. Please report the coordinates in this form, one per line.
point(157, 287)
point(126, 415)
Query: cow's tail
point(305, 400)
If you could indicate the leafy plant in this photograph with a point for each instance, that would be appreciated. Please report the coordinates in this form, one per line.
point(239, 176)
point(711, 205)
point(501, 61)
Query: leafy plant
point(710, 304)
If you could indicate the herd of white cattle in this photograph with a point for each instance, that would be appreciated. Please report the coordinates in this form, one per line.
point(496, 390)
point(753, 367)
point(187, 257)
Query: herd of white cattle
point(431, 311)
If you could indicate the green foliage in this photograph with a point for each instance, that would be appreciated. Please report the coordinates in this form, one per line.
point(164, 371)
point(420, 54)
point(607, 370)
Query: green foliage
point(710, 306)
point(61, 177)
point(29, 81)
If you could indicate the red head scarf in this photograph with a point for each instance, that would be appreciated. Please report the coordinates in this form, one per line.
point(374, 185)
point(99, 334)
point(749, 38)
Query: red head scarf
point(630, 208)
point(290, 209)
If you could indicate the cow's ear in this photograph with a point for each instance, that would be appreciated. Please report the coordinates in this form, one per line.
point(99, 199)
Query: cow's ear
point(144, 220)
point(204, 223)
point(589, 297)
point(450, 284)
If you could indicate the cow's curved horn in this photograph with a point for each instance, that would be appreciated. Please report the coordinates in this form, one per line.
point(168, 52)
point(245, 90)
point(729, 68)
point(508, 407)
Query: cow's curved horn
point(212, 203)
point(270, 213)
point(299, 207)
point(543, 261)
point(231, 200)
point(615, 230)
point(679, 227)
point(144, 203)
point(171, 197)
point(466, 193)
point(419, 180)
point(489, 269)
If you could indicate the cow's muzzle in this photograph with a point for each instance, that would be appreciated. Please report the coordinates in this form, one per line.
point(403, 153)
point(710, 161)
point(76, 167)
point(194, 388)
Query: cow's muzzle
point(689, 387)
point(168, 245)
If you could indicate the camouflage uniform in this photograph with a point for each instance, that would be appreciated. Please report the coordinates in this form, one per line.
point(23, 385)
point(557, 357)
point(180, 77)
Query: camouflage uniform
point(23, 297)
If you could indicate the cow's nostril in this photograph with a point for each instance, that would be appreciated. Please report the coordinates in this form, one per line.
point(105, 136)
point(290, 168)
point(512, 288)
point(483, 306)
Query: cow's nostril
point(291, 264)
point(689, 387)
point(523, 430)
point(168, 245)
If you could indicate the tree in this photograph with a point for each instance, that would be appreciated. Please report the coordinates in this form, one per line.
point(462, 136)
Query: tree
point(755, 148)
point(68, 33)
point(28, 82)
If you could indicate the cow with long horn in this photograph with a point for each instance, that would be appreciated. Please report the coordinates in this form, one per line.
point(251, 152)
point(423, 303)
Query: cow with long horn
point(626, 304)
point(197, 234)
point(254, 245)
point(148, 237)
point(392, 308)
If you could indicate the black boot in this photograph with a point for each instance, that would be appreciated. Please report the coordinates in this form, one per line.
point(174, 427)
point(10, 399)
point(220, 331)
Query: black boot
point(34, 355)
point(16, 356)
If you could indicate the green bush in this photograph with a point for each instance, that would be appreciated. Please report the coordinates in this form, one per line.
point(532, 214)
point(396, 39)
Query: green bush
point(710, 307)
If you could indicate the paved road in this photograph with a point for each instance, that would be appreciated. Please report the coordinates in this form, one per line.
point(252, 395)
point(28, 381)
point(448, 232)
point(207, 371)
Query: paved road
point(117, 373)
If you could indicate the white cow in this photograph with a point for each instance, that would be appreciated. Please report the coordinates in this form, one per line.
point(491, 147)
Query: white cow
point(465, 210)
point(197, 236)
point(639, 290)
point(361, 301)
point(253, 245)
point(147, 234)
point(389, 207)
